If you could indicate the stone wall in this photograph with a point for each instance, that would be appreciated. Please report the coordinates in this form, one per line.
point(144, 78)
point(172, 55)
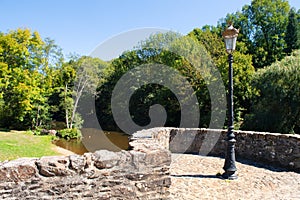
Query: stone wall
point(140, 173)
point(270, 148)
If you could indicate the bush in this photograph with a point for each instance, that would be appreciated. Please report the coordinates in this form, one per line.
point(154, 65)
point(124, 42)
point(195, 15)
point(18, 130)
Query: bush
point(276, 108)
point(36, 131)
point(71, 133)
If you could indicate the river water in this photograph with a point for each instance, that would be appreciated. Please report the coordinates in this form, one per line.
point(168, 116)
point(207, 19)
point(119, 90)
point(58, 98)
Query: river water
point(93, 139)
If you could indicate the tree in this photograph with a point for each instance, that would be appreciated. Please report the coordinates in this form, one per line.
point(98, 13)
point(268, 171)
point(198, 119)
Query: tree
point(276, 107)
point(262, 27)
point(25, 79)
point(158, 49)
point(292, 35)
point(61, 99)
point(268, 21)
point(52, 56)
point(242, 68)
point(79, 76)
point(25, 102)
point(21, 48)
point(193, 56)
point(119, 66)
point(20, 91)
point(4, 77)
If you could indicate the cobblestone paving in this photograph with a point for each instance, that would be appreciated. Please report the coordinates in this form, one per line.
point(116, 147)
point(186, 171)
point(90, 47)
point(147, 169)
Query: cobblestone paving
point(194, 177)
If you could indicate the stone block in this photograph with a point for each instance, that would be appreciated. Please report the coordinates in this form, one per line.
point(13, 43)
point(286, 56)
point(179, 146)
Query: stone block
point(18, 170)
point(158, 158)
point(77, 163)
point(138, 160)
point(105, 159)
point(54, 166)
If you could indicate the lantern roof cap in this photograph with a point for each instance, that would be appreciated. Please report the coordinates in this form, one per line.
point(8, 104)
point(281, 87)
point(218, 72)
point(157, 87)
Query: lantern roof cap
point(230, 32)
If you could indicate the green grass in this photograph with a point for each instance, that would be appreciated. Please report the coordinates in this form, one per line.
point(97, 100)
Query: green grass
point(17, 144)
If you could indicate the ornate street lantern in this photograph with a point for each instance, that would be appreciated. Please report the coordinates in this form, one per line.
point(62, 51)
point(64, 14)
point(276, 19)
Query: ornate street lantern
point(230, 36)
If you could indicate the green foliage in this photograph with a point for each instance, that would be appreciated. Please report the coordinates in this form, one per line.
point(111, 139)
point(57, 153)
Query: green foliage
point(24, 98)
point(276, 108)
point(211, 41)
point(242, 69)
point(87, 71)
point(262, 27)
point(25, 87)
point(268, 20)
point(60, 100)
point(37, 86)
point(158, 49)
point(70, 133)
point(37, 131)
point(21, 49)
point(40, 132)
point(292, 35)
point(189, 63)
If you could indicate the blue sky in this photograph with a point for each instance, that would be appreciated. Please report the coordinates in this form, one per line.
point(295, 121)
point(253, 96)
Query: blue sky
point(78, 26)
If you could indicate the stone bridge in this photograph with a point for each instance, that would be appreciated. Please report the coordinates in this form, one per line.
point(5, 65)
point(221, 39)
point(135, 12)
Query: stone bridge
point(139, 173)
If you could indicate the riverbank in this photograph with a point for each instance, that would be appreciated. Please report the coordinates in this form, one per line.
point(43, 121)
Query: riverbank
point(62, 151)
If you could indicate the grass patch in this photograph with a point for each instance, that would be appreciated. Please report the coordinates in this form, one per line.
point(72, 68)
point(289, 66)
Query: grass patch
point(17, 144)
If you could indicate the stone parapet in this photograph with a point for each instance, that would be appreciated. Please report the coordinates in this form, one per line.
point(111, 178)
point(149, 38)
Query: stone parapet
point(270, 148)
point(140, 173)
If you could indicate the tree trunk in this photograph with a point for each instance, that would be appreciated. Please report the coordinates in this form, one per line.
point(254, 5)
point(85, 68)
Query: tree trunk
point(78, 95)
point(66, 107)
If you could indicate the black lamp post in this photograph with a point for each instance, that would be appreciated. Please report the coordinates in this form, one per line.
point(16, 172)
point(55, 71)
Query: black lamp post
point(230, 36)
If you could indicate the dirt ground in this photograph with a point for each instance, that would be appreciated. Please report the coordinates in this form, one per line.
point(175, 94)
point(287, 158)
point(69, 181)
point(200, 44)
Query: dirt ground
point(62, 151)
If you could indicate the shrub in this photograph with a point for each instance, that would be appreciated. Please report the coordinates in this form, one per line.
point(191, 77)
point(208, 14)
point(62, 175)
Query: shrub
point(276, 108)
point(71, 133)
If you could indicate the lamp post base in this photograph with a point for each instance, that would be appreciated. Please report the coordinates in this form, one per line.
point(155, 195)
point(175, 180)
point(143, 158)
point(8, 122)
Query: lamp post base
point(229, 175)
